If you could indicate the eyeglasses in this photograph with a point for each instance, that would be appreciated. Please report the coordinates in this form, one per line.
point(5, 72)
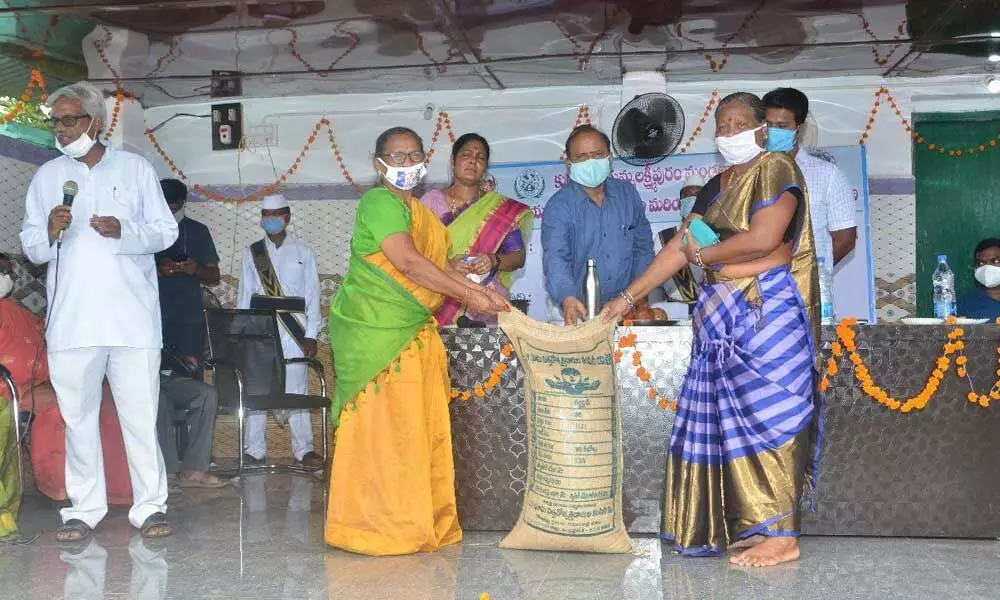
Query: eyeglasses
point(995, 261)
point(67, 121)
point(398, 158)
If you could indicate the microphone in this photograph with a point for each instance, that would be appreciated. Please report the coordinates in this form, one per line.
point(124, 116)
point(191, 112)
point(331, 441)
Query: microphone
point(69, 192)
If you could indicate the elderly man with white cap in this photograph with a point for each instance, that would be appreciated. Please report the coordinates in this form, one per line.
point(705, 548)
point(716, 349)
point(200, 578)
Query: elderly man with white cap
point(96, 216)
point(281, 265)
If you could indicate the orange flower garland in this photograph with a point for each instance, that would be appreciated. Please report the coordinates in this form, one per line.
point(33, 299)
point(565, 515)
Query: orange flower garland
point(990, 144)
point(984, 399)
point(29, 90)
point(876, 55)
point(294, 50)
point(481, 389)
point(701, 121)
point(846, 343)
point(629, 341)
point(277, 183)
point(443, 120)
point(582, 118)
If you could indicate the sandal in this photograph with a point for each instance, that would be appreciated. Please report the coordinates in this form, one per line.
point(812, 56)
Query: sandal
point(202, 480)
point(156, 526)
point(81, 531)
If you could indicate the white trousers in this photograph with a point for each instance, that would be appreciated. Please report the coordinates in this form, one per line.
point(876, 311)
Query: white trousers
point(134, 376)
point(299, 421)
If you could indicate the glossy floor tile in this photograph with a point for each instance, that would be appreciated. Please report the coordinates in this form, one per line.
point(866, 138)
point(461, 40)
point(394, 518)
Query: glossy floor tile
point(262, 538)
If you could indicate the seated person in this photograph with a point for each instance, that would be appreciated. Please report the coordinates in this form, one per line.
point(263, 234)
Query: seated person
point(21, 334)
point(199, 401)
point(984, 301)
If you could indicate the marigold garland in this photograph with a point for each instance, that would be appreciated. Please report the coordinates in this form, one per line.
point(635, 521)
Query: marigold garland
point(443, 120)
point(277, 183)
point(701, 122)
point(846, 343)
point(582, 118)
point(294, 50)
point(898, 39)
point(629, 341)
point(481, 389)
point(919, 139)
point(34, 80)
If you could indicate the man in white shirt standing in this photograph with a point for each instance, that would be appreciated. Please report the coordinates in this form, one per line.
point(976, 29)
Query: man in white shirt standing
point(831, 197)
point(289, 268)
point(103, 305)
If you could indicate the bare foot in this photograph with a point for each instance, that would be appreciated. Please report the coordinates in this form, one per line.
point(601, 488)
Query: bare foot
point(743, 544)
point(770, 552)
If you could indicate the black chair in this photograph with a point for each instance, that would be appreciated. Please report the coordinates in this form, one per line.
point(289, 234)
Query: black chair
point(249, 373)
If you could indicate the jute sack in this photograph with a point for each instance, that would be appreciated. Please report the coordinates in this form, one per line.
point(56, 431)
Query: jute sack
point(572, 500)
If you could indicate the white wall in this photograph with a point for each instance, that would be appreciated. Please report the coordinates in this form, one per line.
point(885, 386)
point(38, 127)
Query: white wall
point(531, 124)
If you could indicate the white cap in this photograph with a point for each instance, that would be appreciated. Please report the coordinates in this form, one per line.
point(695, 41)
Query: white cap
point(693, 180)
point(273, 202)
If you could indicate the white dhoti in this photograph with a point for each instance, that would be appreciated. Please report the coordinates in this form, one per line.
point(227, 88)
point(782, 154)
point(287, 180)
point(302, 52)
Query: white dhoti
point(133, 374)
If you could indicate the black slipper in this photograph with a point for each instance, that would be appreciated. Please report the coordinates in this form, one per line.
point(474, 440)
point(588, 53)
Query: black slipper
point(75, 526)
point(156, 526)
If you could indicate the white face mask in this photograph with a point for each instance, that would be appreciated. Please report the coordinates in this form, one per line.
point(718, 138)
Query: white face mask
point(740, 148)
point(404, 178)
point(988, 275)
point(79, 147)
point(179, 215)
point(6, 285)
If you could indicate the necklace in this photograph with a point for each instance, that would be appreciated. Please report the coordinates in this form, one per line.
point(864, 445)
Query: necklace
point(455, 206)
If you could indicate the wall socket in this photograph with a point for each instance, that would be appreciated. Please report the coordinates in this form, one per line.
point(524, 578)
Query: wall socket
point(263, 136)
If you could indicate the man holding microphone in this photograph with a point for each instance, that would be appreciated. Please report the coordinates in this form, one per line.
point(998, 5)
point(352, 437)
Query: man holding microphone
point(103, 305)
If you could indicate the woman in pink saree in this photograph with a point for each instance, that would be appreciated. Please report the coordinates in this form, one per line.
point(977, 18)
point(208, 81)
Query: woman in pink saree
point(488, 233)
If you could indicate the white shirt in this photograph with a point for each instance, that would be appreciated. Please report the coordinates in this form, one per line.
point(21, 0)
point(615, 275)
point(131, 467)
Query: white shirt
point(106, 293)
point(831, 201)
point(295, 266)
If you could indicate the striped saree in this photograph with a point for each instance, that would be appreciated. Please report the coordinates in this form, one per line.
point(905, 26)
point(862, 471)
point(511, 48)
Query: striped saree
point(747, 428)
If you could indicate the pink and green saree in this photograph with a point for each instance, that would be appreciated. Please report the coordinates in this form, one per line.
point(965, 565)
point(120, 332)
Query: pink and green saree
point(491, 225)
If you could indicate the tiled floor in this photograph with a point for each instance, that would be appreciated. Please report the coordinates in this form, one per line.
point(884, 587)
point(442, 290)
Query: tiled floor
point(263, 540)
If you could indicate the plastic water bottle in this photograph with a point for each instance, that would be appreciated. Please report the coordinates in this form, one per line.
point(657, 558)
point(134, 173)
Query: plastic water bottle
point(825, 292)
point(592, 290)
point(944, 289)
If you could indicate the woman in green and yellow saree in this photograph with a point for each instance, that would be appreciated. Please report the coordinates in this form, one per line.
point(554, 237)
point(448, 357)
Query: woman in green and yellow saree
point(392, 482)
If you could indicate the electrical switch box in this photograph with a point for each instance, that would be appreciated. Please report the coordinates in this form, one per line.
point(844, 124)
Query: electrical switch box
point(227, 126)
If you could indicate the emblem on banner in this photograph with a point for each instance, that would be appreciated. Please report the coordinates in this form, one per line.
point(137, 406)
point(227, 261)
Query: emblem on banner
point(529, 184)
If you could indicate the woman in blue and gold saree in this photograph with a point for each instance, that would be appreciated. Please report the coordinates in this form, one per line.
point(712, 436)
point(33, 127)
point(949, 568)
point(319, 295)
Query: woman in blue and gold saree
point(746, 438)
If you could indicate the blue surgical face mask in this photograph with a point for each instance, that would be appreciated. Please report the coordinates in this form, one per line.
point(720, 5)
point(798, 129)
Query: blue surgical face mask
point(590, 173)
point(687, 204)
point(273, 225)
point(780, 140)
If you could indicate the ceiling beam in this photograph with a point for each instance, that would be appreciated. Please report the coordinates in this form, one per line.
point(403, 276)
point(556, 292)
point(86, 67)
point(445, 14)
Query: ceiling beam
point(454, 31)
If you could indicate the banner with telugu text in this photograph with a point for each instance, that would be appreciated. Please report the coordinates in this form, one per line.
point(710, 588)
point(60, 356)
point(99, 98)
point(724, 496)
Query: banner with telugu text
point(659, 187)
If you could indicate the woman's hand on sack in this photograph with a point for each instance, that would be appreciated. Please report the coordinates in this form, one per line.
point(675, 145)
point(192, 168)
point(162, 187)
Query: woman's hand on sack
point(614, 310)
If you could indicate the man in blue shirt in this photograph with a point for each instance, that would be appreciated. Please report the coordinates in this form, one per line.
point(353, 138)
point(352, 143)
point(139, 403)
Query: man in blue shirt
point(592, 217)
point(182, 269)
point(984, 301)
